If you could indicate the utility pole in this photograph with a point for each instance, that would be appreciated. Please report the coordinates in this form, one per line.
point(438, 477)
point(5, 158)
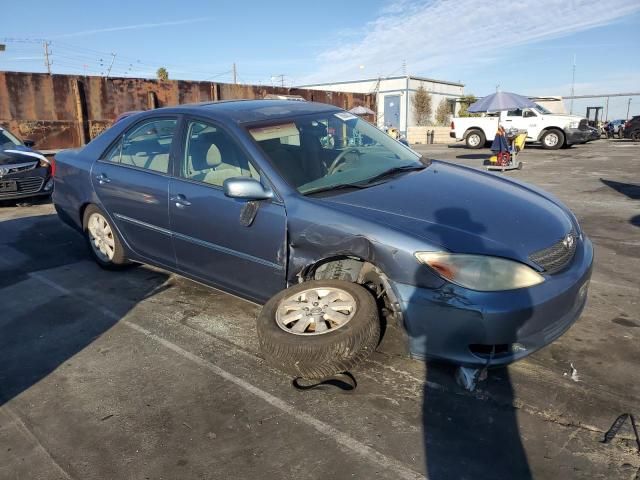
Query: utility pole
point(113, 59)
point(235, 73)
point(628, 107)
point(47, 62)
point(573, 83)
point(281, 77)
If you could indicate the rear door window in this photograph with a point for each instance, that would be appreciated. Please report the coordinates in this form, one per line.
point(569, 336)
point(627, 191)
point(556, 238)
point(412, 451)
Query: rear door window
point(146, 145)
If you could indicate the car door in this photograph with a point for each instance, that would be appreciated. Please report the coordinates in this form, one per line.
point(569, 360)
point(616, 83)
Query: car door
point(132, 181)
point(235, 244)
point(523, 119)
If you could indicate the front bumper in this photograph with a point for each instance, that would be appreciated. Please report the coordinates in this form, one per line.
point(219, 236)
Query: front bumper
point(30, 183)
point(575, 135)
point(461, 326)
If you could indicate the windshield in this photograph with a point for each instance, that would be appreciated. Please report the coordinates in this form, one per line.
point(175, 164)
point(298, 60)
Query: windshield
point(7, 140)
point(542, 110)
point(331, 150)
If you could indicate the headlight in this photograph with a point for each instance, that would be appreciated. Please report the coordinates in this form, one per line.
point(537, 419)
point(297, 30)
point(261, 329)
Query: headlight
point(574, 124)
point(480, 272)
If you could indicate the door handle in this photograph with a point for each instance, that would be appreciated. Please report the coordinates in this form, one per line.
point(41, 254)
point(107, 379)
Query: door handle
point(180, 201)
point(102, 179)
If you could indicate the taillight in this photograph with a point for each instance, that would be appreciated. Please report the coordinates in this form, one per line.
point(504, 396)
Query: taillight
point(453, 127)
point(48, 162)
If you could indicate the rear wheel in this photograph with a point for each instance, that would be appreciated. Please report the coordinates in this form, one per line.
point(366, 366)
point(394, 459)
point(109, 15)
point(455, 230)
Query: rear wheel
point(552, 139)
point(475, 139)
point(318, 328)
point(102, 238)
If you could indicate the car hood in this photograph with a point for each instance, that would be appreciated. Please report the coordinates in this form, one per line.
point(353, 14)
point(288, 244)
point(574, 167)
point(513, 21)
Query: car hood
point(565, 116)
point(19, 154)
point(462, 210)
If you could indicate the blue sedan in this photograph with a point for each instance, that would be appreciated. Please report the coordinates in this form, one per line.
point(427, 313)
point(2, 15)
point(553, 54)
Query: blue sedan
point(335, 227)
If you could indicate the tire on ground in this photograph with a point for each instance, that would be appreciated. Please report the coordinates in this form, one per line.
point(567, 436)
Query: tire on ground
point(323, 355)
point(473, 136)
point(119, 259)
point(549, 133)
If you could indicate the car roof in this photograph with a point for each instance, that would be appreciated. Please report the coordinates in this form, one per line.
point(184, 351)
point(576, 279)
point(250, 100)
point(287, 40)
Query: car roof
point(249, 111)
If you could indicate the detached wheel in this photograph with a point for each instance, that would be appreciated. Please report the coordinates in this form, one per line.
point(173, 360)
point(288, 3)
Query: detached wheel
point(552, 139)
point(102, 238)
point(475, 139)
point(319, 328)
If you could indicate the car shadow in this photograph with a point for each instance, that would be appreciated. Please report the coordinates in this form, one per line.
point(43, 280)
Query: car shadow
point(469, 435)
point(631, 190)
point(475, 156)
point(26, 202)
point(42, 327)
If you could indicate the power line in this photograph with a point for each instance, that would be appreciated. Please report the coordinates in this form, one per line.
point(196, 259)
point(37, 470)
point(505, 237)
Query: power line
point(280, 76)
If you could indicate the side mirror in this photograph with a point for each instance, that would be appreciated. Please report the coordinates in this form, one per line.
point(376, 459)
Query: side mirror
point(29, 143)
point(245, 188)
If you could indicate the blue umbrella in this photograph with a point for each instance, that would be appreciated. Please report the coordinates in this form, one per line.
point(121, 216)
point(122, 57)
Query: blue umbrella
point(500, 101)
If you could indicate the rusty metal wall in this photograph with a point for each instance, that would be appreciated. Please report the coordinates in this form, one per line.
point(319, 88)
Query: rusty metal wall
point(66, 111)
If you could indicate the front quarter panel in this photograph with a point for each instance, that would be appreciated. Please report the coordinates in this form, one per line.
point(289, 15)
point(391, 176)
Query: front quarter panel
point(317, 232)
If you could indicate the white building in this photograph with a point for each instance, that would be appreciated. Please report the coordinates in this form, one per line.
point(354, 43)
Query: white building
point(395, 94)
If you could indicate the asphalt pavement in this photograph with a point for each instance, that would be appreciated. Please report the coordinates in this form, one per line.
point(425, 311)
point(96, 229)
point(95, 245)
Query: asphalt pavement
point(140, 374)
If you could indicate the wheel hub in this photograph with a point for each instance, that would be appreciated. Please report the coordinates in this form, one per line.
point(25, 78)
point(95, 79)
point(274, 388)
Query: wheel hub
point(315, 311)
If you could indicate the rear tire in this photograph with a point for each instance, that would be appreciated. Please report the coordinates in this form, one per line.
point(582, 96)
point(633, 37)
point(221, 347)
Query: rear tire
point(314, 352)
point(475, 139)
point(103, 240)
point(552, 139)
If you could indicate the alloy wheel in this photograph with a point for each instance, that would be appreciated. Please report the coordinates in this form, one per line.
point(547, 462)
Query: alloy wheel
point(315, 311)
point(474, 139)
point(101, 237)
point(551, 140)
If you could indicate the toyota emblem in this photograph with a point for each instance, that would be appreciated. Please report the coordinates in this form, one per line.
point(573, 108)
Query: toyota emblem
point(568, 241)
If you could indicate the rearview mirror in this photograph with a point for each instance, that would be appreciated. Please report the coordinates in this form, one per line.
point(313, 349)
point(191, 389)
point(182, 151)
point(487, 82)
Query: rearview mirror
point(29, 143)
point(245, 188)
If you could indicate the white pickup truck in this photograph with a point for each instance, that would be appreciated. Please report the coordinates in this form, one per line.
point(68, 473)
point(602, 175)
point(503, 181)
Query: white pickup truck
point(551, 129)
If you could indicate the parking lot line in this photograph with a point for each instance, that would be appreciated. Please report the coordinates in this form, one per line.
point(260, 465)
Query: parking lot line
point(28, 434)
point(357, 447)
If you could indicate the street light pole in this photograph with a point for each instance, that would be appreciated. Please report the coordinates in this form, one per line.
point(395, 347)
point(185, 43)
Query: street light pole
point(628, 107)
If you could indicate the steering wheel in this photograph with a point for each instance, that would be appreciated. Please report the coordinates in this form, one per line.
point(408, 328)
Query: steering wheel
point(340, 159)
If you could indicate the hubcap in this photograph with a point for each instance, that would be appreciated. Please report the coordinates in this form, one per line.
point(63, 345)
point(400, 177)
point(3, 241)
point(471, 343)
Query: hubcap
point(474, 139)
point(551, 140)
point(101, 237)
point(315, 311)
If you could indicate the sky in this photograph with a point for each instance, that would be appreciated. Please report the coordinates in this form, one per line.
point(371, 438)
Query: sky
point(523, 47)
